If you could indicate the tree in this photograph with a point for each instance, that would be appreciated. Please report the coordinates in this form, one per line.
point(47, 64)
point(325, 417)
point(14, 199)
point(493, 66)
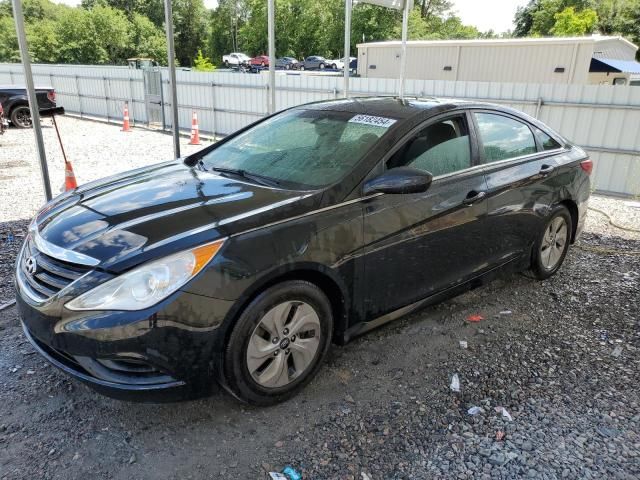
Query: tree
point(189, 28)
point(203, 64)
point(570, 23)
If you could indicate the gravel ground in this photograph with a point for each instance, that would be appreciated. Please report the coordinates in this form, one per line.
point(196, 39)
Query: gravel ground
point(561, 356)
point(95, 150)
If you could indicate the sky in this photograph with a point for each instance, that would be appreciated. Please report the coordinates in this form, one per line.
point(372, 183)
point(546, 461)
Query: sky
point(494, 15)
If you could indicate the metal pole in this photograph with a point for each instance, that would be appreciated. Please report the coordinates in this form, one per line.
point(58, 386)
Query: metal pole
point(31, 93)
point(168, 19)
point(403, 59)
point(272, 55)
point(55, 125)
point(348, 5)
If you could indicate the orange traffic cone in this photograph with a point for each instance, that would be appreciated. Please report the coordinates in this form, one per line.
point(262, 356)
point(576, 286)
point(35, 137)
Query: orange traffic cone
point(125, 123)
point(195, 131)
point(69, 177)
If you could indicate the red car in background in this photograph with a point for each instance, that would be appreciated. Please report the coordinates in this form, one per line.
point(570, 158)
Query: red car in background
point(259, 61)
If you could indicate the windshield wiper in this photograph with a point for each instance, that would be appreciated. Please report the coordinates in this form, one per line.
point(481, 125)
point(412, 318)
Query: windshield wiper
point(262, 179)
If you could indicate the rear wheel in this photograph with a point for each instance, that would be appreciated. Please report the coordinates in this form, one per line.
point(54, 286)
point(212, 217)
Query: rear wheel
point(21, 117)
point(278, 343)
point(302, 67)
point(552, 244)
point(321, 67)
point(334, 66)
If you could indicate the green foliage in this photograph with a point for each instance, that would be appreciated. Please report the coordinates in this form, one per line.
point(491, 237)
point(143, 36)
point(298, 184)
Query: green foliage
point(110, 31)
point(202, 63)
point(570, 23)
point(95, 34)
point(552, 17)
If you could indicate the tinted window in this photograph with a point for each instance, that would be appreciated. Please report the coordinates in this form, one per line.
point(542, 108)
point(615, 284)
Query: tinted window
point(301, 148)
point(503, 137)
point(440, 148)
point(546, 142)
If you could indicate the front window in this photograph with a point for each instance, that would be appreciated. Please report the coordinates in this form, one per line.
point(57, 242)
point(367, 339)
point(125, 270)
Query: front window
point(441, 148)
point(301, 149)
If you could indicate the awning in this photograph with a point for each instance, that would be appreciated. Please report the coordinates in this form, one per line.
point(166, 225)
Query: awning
point(613, 65)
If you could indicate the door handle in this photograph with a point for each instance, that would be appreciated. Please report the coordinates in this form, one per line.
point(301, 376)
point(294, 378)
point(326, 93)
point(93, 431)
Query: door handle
point(546, 169)
point(473, 197)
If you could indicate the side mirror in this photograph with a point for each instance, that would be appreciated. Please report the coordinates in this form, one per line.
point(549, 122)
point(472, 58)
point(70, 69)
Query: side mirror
point(399, 180)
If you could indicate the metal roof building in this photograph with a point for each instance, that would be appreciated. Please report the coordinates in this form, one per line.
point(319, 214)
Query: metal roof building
point(530, 60)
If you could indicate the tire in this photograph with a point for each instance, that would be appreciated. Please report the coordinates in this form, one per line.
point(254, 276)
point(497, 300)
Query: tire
point(334, 66)
point(226, 63)
point(21, 117)
point(552, 244)
point(285, 364)
point(262, 64)
point(302, 67)
point(321, 67)
point(287, 67)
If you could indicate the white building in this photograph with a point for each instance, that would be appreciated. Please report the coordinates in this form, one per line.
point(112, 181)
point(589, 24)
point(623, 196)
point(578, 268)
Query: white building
point(530, 60)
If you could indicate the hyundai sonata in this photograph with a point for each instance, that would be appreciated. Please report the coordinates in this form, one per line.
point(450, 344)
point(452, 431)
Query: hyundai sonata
point(240, 265)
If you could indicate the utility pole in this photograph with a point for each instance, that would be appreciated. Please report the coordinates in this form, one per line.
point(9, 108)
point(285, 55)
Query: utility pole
point(175, 126)
point(271, 27)
point(348, 6)
point(31, 94)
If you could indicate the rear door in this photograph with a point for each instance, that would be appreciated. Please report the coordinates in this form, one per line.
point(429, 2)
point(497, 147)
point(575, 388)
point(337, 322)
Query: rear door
point(419, 244)
point(522, 180)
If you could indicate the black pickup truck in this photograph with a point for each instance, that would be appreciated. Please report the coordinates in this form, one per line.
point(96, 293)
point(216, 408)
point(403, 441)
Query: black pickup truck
point(16, 105)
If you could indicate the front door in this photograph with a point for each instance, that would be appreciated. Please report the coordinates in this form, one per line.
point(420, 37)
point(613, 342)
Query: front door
point(419, 244)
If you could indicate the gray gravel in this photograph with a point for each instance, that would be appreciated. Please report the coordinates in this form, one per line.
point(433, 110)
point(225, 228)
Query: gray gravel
point(561, 356)
point(95, 150)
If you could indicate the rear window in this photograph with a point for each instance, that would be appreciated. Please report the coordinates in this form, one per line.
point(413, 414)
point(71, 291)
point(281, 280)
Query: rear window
point(546, 142)
point(504, 138)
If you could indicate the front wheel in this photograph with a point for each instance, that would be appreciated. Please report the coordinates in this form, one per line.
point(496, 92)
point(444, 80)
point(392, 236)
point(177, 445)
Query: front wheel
point(278, 343)
point(302, 67)
point(21, 117)
point(552, 244)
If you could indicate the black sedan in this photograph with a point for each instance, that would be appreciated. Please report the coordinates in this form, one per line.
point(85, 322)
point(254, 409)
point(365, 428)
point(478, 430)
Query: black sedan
point(241, 264)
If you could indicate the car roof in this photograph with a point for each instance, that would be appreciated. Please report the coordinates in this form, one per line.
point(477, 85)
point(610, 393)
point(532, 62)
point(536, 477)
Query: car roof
point(382, 106)
point(402, 109)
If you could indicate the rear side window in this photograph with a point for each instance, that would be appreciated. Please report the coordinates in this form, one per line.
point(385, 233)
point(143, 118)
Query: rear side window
point(503, 137)
point(546, 142)
point(440, 148)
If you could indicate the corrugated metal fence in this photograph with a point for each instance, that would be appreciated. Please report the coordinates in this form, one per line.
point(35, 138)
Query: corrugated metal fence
point(604, 119)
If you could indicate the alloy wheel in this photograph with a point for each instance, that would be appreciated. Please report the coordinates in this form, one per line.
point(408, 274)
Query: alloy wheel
point(554, 243)
point(284, 344)
point(21, 117)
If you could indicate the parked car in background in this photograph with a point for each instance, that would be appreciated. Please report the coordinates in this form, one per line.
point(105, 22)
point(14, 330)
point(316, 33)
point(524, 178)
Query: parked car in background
point(335, 64)
point(240, 264)
point(15, 103)
point(259, 61)
point(353, 64)
point(3, 122)
point(235, 59)
point(288, 63)
point(314, 62)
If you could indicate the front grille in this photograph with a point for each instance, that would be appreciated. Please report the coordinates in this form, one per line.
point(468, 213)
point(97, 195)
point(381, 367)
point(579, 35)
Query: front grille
point(46, 275)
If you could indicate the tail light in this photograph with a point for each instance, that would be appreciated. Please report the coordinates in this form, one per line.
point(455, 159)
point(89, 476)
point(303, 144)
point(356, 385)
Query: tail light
point(587, 166)
point(51, 95)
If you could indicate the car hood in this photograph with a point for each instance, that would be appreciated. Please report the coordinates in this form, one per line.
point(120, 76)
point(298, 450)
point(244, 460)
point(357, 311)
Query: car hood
point(124, 220)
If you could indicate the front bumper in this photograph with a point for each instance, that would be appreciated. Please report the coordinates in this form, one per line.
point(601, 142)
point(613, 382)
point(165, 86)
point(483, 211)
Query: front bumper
point(167, 352)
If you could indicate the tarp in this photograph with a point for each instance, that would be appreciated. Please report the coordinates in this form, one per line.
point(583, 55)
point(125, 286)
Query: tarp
point(613, 65)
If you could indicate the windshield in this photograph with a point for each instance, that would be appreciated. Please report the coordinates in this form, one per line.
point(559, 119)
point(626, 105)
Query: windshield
point(301, 149)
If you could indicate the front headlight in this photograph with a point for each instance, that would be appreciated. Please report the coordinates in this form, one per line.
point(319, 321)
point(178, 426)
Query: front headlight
point(147, 284)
